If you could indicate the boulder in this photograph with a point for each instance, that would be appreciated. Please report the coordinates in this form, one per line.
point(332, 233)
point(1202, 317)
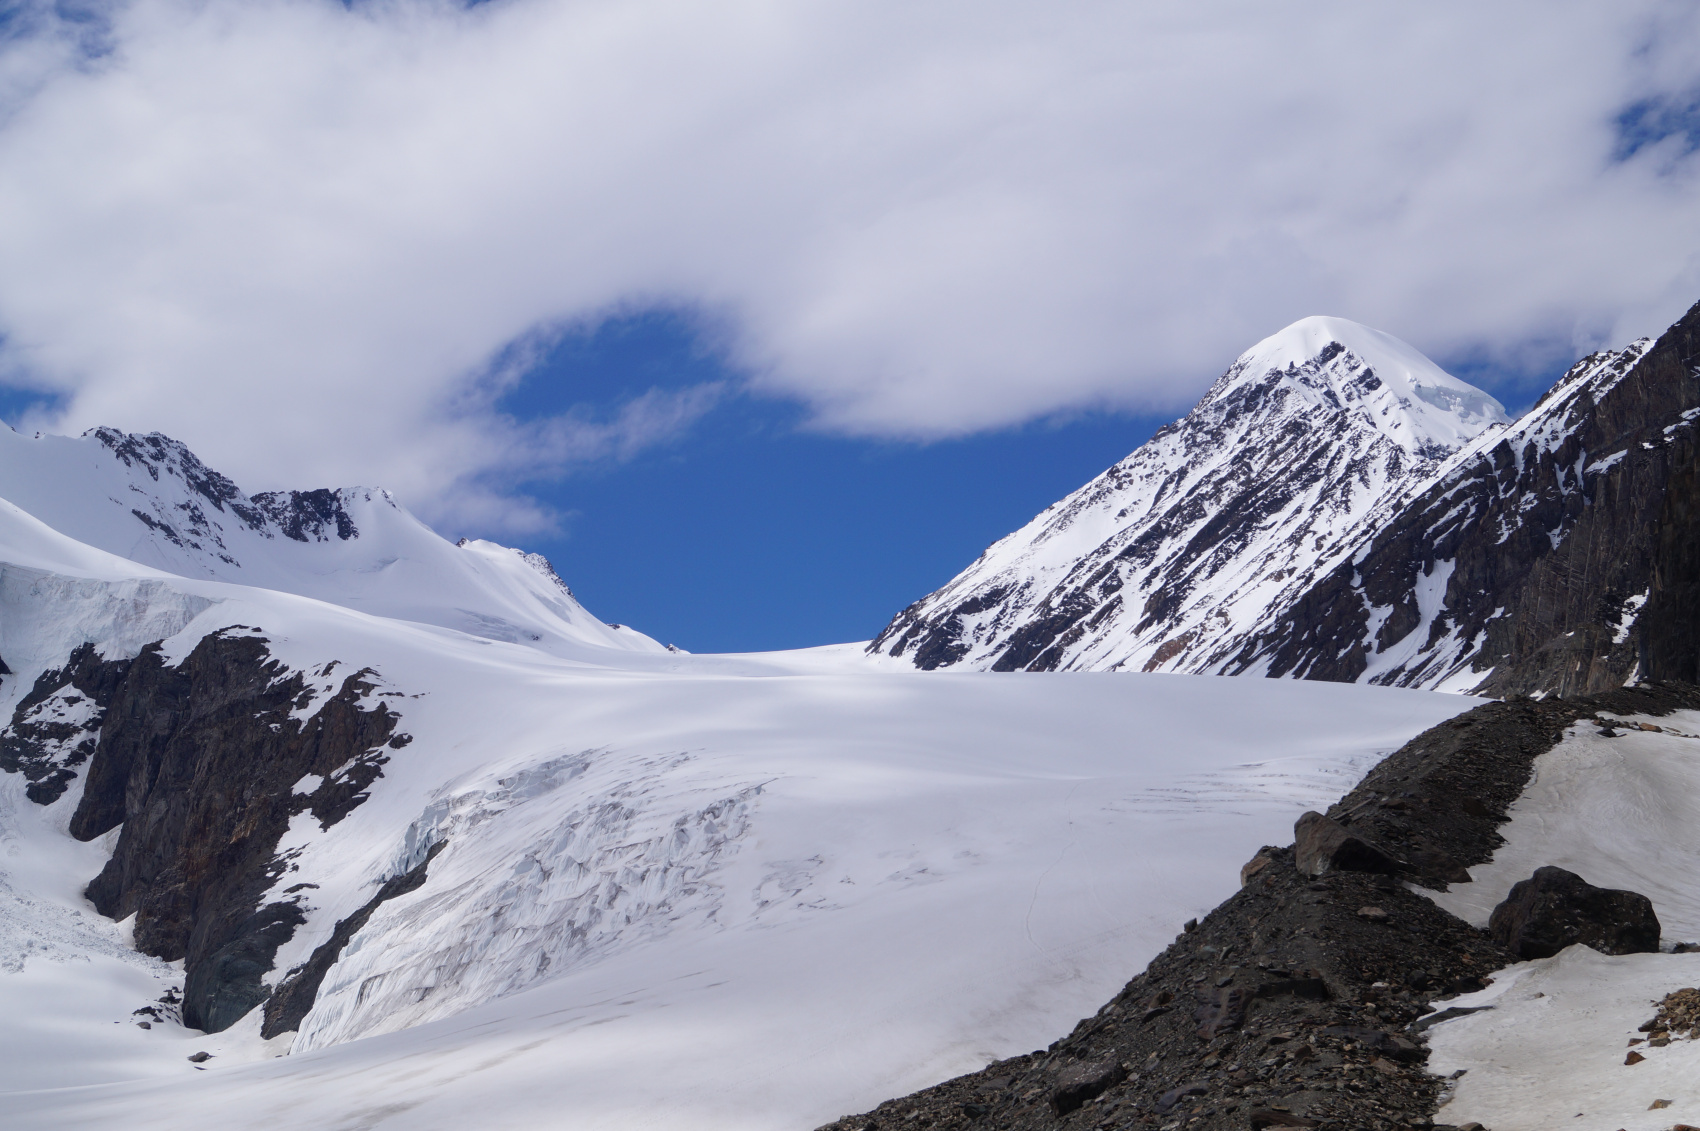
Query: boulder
point(1321, 845)
point(1554, 909)
point(1265, 857)
point(1079, 1083)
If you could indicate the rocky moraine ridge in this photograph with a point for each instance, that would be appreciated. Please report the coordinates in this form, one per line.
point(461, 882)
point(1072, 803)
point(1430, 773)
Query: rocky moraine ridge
point(202, 764)
point(1304, 999)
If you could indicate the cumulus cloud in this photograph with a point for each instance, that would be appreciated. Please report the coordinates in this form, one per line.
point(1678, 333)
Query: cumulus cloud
point(305, 237)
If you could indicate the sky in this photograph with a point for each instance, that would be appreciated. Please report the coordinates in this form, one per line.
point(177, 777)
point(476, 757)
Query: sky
point(764, 319)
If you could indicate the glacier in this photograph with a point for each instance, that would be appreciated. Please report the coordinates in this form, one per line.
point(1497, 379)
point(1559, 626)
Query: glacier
point(672, 890)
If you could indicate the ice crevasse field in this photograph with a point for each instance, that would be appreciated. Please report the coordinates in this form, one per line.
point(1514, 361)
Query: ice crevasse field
point(741, 891)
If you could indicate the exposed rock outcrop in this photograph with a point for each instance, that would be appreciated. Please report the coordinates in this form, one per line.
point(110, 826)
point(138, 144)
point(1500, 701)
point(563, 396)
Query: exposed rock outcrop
point(1321, 846)
point(1554, 908)
point(56, 727)
point(200, 762)
point(298, 989)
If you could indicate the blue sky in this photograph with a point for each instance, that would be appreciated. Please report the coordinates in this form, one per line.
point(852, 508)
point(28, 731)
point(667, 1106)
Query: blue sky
point(752, 531)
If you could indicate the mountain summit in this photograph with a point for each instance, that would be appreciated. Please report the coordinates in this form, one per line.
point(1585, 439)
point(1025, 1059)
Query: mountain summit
point(1174, 557)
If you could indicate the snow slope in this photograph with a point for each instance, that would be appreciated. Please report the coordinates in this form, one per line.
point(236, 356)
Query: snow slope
point(149, 499)
point(1550, 1053)
point(1619, 812)
point(677, 891)
point(1173, 558)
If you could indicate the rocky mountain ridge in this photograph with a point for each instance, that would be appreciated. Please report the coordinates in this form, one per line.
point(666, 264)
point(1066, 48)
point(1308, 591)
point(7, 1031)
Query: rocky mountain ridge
point(1305, 999)
point(1170, 560)
point(1552, 555)
point(1558, 557)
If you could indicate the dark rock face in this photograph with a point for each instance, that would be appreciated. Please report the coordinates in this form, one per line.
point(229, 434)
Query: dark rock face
point(1321, 845)
point(1554, 909)
point(307, 516)
point(199, 762)
point(298, 990)
point(56, 727)
point(1285, 1007)
point(1563, 558)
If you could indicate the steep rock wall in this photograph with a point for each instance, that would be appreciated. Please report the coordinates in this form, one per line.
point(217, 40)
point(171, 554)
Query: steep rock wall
point(199, 762)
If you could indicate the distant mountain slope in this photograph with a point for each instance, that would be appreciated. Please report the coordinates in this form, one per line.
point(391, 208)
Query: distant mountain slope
point(1562, 555)
point(149, 499)
point(1174, 558)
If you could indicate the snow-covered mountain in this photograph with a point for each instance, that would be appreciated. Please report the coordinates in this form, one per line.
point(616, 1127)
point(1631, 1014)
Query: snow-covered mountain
point(1557, 556)
point(1176, 556)
point(151, 500)
point(456, 880)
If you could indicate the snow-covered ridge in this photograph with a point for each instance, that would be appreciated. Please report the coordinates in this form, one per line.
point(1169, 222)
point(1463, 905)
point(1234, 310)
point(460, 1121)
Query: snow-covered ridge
point(1478, 581)
point(1171, 558)
point(149, 499)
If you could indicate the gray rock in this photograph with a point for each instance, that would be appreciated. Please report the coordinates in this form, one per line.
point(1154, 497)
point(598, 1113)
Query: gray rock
point(1079, 1083)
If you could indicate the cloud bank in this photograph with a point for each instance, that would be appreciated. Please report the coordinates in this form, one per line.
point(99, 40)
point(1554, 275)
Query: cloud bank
point(305, 238)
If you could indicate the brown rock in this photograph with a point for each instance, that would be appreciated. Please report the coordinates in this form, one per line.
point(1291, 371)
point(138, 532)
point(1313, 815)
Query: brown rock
point(1322, 845)
point(1657, 1104)
point(1634, 1058)
point(1255, 865)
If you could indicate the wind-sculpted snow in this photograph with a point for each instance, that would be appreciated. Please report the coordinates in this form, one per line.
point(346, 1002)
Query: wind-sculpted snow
point(1170, 560)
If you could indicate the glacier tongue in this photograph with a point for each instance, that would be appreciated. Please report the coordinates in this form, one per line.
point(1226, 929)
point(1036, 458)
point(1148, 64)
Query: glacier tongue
point(1170, 560)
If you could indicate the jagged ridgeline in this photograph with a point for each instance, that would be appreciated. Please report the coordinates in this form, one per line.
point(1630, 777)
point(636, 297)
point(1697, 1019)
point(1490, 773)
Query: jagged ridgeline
point(1337, 507)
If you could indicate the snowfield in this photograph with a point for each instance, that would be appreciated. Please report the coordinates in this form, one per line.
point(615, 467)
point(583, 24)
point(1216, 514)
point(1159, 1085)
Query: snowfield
point(1550, 1053)
point(677, 891)
point(1621, 813)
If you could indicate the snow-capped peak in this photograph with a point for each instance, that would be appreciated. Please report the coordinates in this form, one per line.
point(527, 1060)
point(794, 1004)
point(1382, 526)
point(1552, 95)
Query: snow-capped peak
point(1167, 560)
point(1336, 363)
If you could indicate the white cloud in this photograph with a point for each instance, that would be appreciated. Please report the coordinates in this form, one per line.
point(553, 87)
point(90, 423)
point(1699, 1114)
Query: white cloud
point(295, 235)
